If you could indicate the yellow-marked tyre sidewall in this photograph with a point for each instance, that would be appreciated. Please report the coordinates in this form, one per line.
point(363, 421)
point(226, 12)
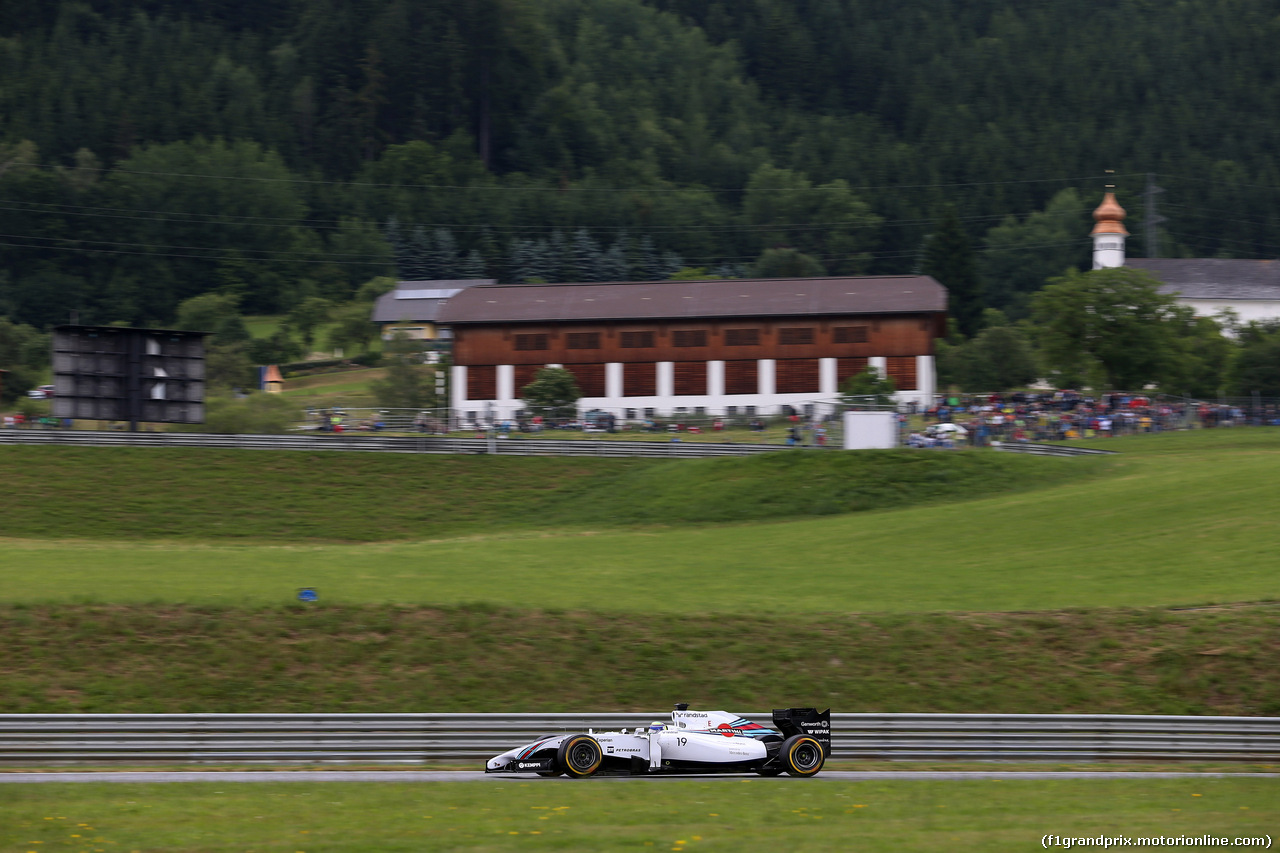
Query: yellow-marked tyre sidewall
point(565, 753)
point(794, 744)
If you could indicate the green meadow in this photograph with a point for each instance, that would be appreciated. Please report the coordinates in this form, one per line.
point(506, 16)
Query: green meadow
point(690, 816)
point(154, 580)
point(1170, 521)
point(411, 658)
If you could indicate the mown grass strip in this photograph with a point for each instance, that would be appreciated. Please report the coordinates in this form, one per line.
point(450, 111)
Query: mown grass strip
point(1155, 531)
point(89, 659)
point(731, 814)
point(149, 493)
point(1190, 522)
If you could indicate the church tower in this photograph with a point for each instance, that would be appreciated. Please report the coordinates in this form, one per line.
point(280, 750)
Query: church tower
point(1108, 234)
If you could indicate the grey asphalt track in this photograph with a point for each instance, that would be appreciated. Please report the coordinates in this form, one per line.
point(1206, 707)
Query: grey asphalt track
point(475, 776)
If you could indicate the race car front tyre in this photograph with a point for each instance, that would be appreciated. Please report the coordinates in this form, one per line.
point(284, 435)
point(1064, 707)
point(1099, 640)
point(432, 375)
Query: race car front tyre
point(802, 756)
point(579, 756)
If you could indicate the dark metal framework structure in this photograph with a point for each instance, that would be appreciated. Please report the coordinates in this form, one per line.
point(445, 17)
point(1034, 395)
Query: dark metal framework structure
point(123, 374)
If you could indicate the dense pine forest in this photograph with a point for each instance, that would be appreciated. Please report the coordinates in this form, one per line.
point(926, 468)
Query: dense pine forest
point(152, 151)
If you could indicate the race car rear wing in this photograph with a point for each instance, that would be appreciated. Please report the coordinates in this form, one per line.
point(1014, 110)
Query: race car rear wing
point(805, 721)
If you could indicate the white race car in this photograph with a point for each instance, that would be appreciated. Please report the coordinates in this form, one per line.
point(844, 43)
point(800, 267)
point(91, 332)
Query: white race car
point(693, 742)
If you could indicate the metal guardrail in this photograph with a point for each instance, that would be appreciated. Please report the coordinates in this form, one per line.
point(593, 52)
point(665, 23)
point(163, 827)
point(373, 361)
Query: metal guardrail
point(1049, 449)
point(389, 444)
point(54, 739)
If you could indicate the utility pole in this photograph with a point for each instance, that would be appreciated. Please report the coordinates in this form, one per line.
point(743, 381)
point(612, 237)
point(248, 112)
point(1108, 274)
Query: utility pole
point(1151, 219)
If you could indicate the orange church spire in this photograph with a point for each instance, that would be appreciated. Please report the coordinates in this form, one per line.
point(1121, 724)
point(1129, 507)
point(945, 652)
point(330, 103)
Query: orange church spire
point(1109, 216)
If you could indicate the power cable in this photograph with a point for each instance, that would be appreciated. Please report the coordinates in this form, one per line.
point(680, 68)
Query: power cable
point(577, 189)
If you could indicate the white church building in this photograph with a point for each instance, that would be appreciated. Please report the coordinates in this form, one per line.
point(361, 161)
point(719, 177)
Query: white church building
point(1248, 288)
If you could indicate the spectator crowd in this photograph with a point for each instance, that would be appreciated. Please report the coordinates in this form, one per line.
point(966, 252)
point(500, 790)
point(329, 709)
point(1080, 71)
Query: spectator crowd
point(1069, 414)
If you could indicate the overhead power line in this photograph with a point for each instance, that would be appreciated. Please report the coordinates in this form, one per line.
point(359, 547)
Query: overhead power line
point(189, 218)
point(221, 253)
point(192, 257)
point(548, 188)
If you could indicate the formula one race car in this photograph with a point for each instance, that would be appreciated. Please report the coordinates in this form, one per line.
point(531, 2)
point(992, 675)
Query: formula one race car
point(693, 742)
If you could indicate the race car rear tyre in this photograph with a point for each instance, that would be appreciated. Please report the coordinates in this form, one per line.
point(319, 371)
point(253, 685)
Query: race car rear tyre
point(579, 756)
point(802, 756)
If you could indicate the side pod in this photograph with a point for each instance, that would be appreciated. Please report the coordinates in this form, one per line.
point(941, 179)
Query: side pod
point(805, 721)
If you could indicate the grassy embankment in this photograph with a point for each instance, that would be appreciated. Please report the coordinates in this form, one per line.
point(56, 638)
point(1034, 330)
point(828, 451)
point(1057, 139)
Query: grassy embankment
point(158, 580)
point(169, 659)
point(692, 816)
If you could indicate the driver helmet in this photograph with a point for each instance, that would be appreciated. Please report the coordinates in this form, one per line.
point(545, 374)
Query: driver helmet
point(657, 726)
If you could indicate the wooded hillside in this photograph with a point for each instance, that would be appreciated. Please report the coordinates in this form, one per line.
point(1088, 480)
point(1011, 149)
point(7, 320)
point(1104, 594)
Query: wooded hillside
point(155, 150)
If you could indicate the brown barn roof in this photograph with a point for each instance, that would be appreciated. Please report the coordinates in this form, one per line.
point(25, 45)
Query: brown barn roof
point(760, 297)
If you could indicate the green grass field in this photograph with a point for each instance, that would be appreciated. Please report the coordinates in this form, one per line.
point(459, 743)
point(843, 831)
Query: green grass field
point(384, 659)
point(164, 581)
point(211, 495)
point(690, 816)
point(1187, 522)
point(158, 580)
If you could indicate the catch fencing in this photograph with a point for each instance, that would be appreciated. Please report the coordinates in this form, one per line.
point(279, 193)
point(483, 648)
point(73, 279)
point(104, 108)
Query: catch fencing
point(389, 444)
point(518, 446)
point(175, 739)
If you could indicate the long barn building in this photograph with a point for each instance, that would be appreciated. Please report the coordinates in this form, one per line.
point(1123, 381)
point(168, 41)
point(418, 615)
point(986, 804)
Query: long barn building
point(734, 346)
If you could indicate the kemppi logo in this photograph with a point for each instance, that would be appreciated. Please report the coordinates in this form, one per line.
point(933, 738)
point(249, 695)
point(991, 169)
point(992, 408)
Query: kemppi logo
point(529, 765)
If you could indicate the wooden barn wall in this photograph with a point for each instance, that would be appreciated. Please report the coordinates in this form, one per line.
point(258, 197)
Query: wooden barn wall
point(689, 378)
point(639, 379)
point(849, 367)
point(641, 342)
point(902, 370)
